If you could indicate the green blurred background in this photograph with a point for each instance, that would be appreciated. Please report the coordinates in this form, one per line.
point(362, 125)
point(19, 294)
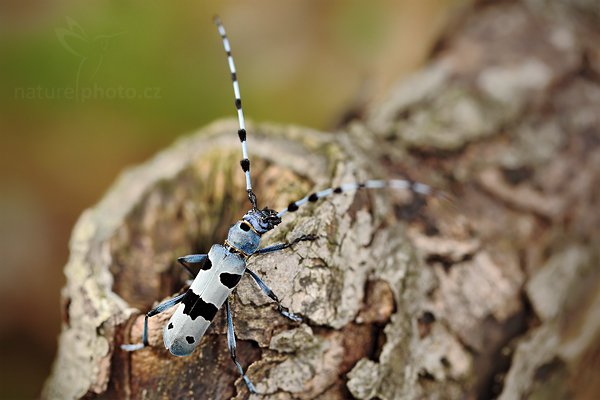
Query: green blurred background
point(87, 89)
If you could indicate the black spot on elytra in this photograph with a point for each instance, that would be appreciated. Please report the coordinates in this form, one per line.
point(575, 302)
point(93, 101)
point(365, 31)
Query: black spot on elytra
point(190, 339)
point(195, 307)
point(170, 325)
point(292, 207)
point(229, 280)
point(244, 226)
point(206, 265)
point(313, 197)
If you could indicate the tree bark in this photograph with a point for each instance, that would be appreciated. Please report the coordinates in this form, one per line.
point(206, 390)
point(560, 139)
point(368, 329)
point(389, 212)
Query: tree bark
point(494, 293)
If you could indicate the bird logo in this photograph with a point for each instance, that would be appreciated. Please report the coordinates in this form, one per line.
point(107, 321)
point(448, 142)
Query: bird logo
point(91, 50)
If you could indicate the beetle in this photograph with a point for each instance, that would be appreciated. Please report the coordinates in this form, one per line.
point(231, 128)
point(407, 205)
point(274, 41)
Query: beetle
point(222, 268)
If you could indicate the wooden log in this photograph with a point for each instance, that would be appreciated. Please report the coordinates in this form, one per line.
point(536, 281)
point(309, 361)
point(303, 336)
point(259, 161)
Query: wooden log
point(492, 294)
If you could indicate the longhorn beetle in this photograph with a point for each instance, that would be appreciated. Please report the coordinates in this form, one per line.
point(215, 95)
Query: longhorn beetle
point(224, 265)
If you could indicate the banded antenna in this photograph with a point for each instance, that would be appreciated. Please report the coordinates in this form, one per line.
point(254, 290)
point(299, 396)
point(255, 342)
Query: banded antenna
point(245, 162)
point(398, 184)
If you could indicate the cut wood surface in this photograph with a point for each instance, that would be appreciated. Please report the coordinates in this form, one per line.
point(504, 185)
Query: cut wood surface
point(493, 293)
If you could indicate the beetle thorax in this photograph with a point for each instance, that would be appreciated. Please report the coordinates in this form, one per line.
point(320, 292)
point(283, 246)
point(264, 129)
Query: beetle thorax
point(244, 235)
point(243, 238)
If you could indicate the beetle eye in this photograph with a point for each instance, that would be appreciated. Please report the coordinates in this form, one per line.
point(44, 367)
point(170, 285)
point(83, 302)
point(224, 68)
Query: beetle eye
point(245, 226)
